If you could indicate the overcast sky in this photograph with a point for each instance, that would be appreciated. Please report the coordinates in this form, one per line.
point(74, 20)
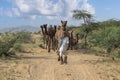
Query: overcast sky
point(36, 12)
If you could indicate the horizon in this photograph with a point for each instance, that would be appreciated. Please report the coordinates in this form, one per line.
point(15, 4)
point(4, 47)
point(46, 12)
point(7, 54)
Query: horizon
point(15, 13)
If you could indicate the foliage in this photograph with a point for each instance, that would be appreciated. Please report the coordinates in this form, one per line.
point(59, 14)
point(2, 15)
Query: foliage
point(13, 41)
point(82, 14)
point(24, 37)
point(87, 18)
point(18, 47)
point(107, 38)
point(6, 44)
point(104, 35)
point(110, 22)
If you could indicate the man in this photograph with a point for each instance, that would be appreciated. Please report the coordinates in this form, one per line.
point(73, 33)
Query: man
point(63, 46)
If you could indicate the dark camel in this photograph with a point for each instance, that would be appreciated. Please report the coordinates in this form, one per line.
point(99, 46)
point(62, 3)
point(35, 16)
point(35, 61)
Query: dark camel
point(45, 36)
point(48, 36)
point(73, 40)
point(51, 37)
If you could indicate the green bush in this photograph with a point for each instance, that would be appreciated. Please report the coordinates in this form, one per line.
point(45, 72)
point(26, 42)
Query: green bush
point(18, 47)
point(24, 37)
point(6, 44)
point(108, 38)
point(13, 41)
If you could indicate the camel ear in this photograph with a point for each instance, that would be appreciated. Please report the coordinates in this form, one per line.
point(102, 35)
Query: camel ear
point(61, 21)
point(66, 21)
point(41, 26)
point(55, 26)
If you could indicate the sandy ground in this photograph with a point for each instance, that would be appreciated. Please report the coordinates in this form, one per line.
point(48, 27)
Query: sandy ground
point(40, 65)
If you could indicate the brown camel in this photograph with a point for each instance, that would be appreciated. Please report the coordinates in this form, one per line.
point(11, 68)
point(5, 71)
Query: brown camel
point(60, 29)
point(73, 40)
point(59, 33)
point(51, 37)
point(45, 36)
point(48, 36)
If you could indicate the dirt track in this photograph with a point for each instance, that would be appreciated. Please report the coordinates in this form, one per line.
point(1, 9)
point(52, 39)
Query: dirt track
point(41, 65)
point(48, 68)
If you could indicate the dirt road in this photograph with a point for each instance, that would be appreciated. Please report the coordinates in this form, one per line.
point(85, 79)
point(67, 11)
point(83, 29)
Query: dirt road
point(48, 68)
point(41, 65)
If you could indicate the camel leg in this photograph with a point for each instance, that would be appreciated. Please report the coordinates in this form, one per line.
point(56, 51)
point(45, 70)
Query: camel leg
point(52, 44)
point(49, 42)
point(46, 43)
point(61, 59)
point(65, 59)
point(58, 53)
point(48, 47)
point(58, 58)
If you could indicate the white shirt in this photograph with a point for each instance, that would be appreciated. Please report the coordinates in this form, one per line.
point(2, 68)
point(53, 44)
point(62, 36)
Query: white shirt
point(64, 44)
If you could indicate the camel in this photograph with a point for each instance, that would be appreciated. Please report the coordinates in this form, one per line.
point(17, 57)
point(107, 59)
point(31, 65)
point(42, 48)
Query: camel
point(45, 36)
point(48, 36)
point(51, 37)
point(71, 39)
point(74, 41)
point(59, 32)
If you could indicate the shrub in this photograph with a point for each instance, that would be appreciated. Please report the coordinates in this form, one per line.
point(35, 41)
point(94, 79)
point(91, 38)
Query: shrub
point(24, 37)
point(6, 44)
point(108, 38)
point(13, 41)
point(18, 47)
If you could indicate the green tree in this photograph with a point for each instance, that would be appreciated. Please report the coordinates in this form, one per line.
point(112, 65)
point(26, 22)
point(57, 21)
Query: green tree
point(82, 14)
point(87, 18)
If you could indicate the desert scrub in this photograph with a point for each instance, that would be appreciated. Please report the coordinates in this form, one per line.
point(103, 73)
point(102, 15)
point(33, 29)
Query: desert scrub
point(24, 37)
point(18, 47)
point(9, 41)
point(6, 44)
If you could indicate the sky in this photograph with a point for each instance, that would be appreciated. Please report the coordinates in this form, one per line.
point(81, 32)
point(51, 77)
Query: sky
point(15, 13)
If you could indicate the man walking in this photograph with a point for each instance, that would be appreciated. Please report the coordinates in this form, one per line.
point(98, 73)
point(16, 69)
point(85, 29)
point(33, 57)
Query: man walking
point(63, 46)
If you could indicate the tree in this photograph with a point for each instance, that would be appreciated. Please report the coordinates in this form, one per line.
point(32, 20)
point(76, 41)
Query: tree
point(82, 14)
point(87, 17)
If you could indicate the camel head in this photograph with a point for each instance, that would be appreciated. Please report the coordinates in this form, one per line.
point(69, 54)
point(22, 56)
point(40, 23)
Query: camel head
point(50, 28)
point(45, 27)
point(64, 23)
point(41, 26)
